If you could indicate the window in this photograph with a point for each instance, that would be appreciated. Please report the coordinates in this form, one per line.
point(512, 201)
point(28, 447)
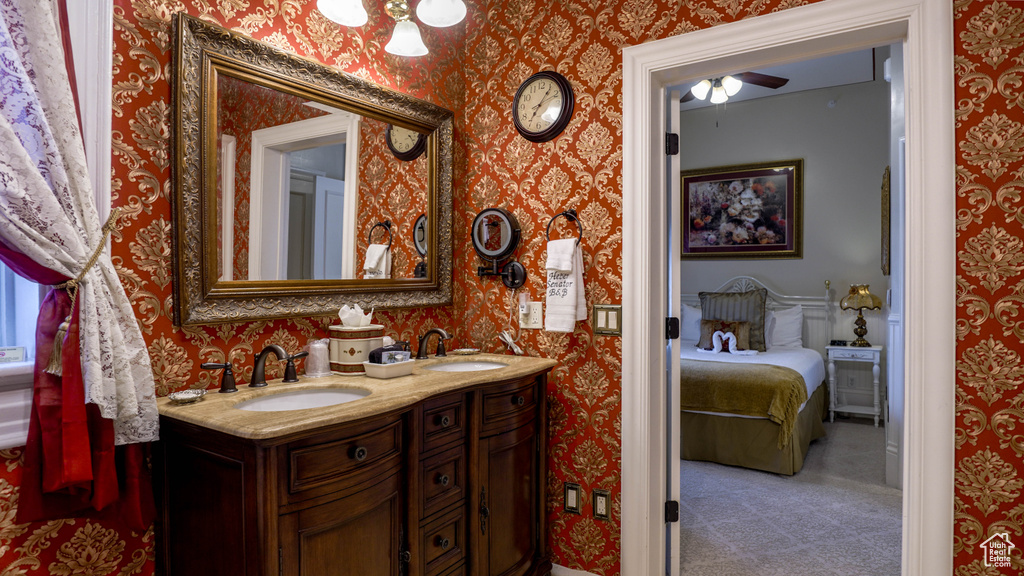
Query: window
point(19, 306)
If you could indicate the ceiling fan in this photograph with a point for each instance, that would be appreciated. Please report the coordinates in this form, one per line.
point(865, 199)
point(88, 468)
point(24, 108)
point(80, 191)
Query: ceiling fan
point(723, 87)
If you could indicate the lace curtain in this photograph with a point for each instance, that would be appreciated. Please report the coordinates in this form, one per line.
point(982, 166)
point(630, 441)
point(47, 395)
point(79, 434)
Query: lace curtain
point(47, 214)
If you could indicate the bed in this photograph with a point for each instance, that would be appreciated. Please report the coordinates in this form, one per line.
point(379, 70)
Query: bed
point(757, 411)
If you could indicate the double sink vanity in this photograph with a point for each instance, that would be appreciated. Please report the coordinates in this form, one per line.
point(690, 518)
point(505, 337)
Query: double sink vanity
point(439, 473)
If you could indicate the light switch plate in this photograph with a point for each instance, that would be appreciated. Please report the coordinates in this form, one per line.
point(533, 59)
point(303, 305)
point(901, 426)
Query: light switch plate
point(573, 495)
point(602, 504)
point(608, 319)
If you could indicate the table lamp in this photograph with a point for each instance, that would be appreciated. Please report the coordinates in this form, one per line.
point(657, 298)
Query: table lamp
point(860, 299)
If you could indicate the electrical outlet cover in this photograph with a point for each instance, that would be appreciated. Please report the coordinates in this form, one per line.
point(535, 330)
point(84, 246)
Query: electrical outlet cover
point(534, 317)
point(602, 504)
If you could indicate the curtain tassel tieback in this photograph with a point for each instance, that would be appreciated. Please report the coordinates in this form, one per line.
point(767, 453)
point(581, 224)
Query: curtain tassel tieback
point(54, 366)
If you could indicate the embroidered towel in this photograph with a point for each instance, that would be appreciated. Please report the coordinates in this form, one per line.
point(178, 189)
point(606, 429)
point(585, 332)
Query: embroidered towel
point(378, 261)
point(566, 299)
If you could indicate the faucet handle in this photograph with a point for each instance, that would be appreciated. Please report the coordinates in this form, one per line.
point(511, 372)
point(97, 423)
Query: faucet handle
point(289, 368)
point(227, 380)
point(440, 346)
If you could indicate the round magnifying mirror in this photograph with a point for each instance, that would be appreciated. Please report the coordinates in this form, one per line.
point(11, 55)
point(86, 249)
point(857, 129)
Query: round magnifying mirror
point(495, 234)
point(419, 235)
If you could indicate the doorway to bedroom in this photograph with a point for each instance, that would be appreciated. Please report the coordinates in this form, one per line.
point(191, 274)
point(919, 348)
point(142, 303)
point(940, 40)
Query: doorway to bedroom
point(843, 118)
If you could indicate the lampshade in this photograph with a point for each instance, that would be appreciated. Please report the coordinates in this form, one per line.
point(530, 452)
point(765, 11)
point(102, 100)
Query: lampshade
point(860, 298)
point(731, 85)
point(344, 12)
point(406, 40)
point(701, 89)
point(718, 94)
point(441, 13)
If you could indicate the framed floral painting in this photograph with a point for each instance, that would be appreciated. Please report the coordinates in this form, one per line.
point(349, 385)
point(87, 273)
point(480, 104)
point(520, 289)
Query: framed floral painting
point(746, 211)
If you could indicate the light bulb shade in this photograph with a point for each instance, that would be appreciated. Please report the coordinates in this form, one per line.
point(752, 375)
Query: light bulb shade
point(344, 12)
point(731, 85)
point(860, 298)
point(718, 95)
point(441, 13)
point(701, 89)
point(406, 40)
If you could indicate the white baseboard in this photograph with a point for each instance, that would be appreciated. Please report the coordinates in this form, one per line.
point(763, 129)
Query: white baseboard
point(557, 570)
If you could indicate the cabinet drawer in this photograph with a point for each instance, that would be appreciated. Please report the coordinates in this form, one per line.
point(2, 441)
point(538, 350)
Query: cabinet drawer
point(513, 404)
point(443, 478)
point(853, 355)
point(444, 421)
point(344, 462)
point(443, 543)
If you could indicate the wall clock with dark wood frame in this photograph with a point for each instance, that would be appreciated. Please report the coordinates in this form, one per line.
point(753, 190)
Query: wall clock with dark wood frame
point(543, 106)
point(404, 143)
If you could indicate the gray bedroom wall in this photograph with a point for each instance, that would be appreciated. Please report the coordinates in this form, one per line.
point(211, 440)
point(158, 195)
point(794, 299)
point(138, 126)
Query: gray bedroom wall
point(845, 148)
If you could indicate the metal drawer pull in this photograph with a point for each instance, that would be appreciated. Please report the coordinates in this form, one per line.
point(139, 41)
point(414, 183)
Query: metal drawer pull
point(443, 421)
point(443, 542)
point(519, 400)
point(359, 453)
point(443, 479)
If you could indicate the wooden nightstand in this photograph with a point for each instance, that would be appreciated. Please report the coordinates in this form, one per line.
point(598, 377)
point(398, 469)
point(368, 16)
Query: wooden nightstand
point(872, 354)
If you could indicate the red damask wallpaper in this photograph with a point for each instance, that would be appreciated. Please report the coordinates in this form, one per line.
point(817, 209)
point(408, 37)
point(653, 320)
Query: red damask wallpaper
point(474, 70)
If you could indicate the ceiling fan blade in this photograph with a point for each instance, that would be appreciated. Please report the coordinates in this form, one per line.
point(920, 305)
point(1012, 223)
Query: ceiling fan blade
point(687, 97)
point(765, 80)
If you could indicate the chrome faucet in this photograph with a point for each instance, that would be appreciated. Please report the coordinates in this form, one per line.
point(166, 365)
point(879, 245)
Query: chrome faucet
point(259, 378)
point(421, 351)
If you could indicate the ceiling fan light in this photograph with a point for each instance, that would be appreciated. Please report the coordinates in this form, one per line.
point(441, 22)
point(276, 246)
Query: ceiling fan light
point(701, 89)
point(344, 12)
point(718, 95)
point(406, 40)
point(732, 85)
point(441, 13)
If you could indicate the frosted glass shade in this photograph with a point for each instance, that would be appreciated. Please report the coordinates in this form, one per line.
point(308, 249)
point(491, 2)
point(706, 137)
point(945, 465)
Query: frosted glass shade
point(701, 89)
point(406, 40)
point(441, 13)
point(344, 12)
point(731, 85)
point(718, 95)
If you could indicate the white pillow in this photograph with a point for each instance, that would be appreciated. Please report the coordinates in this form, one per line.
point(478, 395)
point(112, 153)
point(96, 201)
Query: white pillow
point(769, 329)
point(690, 329)
point(789, 324)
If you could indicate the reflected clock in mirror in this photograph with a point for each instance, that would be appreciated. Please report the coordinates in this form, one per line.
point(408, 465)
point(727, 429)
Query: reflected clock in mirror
point(281, 167)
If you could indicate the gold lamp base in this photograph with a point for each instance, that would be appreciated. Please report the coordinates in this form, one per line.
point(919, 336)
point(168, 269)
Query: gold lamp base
point(861, 330)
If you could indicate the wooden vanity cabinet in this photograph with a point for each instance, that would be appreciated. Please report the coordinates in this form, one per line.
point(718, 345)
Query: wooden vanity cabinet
point(452, 486)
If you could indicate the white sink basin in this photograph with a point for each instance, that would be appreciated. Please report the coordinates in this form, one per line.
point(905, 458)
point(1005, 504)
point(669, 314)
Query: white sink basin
point(466, 366)
point(301, 400)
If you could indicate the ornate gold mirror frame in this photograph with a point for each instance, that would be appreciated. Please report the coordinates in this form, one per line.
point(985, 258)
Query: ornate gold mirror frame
point(202, 51)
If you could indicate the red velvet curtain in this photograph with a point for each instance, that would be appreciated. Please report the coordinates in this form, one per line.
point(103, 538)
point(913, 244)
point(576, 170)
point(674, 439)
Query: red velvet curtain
point(72, 467)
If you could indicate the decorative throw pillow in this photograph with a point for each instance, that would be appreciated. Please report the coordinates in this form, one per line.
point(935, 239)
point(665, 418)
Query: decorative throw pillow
point(690, 330)
point(789, 324)
point(738, 307)
point(739, 329)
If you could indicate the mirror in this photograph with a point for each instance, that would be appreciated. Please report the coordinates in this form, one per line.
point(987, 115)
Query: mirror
point(282, 167)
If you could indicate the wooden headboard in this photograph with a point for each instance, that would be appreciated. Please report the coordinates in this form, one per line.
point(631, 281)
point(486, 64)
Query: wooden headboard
point(819, 312)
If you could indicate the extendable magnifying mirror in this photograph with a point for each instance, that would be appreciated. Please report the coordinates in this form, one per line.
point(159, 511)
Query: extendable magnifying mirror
point(496, 236)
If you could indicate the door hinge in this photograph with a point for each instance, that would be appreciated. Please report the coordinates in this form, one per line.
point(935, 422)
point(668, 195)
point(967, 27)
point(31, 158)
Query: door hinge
point(671, 144)
point(671, 511)
point(671, 328)
point(280, 561)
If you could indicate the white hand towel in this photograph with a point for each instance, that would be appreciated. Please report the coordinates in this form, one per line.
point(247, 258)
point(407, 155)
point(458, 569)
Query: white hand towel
point(378, 261)
point(566, 297)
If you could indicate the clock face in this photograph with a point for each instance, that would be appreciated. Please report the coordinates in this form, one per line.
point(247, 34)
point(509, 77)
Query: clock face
point(542, 106)
point(404, 143)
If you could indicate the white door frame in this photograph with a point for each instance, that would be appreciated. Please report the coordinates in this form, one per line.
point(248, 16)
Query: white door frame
point(834, 26)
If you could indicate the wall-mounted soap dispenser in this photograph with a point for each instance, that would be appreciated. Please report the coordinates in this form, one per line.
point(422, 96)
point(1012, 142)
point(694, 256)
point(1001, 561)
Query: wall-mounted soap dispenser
point(496, 236)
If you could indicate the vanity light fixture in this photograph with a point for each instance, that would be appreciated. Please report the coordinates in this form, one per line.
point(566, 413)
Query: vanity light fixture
point(406, 39)
point(720, 88)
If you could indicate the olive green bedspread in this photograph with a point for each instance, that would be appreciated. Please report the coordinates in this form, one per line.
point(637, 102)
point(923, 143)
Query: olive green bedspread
point(760, 390)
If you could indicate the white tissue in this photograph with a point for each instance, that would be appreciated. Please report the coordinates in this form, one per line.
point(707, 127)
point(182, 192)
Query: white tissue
point(354, 316)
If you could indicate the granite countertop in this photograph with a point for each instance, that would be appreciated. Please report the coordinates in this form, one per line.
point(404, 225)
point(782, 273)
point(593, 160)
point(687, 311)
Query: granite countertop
point(215, 411)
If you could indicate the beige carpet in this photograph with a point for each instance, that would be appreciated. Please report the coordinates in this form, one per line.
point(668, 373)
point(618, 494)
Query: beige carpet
point(835, 517)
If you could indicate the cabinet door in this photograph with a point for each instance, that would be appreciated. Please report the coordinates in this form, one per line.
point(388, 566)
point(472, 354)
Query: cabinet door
point(508, 502)
point(360, 534)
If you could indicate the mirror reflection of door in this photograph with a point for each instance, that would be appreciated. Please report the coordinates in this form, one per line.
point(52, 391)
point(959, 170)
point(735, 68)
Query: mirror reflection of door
point(316, 208)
